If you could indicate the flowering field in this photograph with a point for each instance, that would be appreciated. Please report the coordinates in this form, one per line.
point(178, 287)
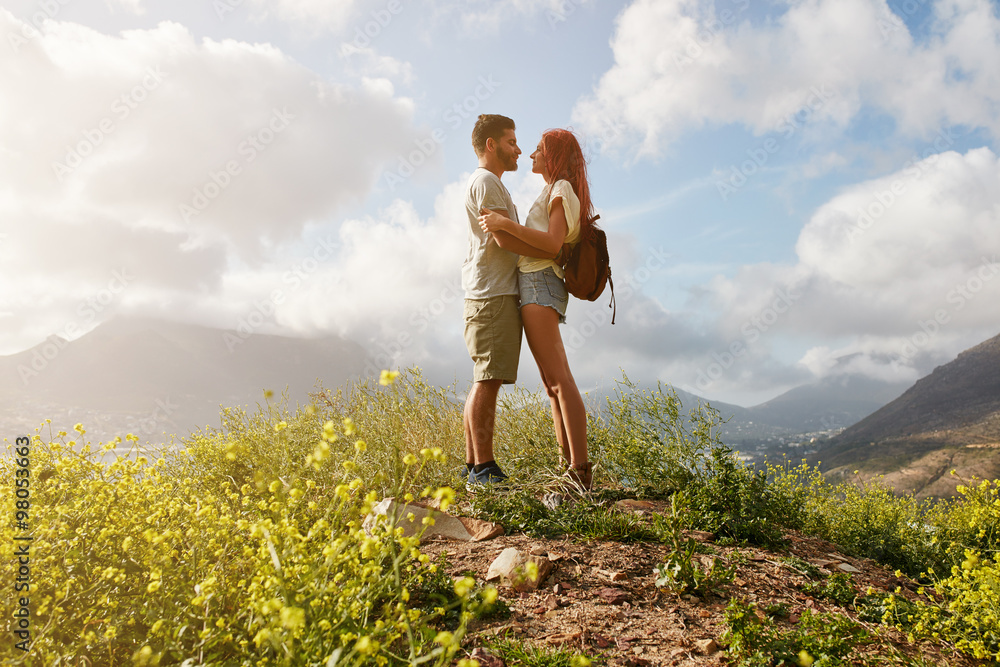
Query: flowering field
point(244, 545)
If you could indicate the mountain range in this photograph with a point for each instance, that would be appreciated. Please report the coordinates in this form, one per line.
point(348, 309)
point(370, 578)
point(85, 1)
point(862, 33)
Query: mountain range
point(949, 420)
point(156, 378)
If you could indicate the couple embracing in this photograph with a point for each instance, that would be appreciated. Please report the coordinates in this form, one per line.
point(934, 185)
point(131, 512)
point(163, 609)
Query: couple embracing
point(511, 280)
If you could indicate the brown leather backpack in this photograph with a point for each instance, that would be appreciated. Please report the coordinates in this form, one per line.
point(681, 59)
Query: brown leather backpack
point(587, 265)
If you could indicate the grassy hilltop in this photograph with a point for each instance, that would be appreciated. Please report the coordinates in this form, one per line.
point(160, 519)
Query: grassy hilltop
point(246, 546)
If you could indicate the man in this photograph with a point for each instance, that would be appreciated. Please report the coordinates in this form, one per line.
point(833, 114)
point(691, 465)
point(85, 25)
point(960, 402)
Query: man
point(489, 278)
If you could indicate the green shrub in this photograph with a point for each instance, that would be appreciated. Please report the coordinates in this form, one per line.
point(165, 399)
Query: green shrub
point(733, 501)
point(867, 520)
point(641, 441)
point(819, 640)
point(151, 563)
point(971, 520)
point(967, 615)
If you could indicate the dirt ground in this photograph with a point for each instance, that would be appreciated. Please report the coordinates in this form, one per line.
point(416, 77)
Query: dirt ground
point(601, 599)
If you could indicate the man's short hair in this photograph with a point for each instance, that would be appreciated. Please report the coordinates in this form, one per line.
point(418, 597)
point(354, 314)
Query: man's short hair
point(489, 126)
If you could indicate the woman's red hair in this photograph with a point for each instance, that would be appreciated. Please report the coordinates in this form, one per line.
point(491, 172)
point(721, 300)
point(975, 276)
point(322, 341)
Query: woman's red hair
point(564, 161)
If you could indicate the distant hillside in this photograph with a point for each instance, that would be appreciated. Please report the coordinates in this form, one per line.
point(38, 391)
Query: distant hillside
point(149, 376)
point(829, 404)
point(947, 420)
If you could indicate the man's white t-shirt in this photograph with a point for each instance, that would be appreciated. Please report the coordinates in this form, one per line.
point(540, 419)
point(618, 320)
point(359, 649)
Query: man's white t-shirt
point(538, 218)
point(489, 270)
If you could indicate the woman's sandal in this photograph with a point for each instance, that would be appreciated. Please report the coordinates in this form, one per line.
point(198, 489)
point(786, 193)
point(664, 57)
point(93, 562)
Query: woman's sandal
point(581, 476)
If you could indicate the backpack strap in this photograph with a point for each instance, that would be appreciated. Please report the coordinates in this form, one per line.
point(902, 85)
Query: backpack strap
point(612, 305)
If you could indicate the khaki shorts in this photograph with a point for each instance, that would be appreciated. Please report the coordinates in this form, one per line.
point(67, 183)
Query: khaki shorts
point(493, 337)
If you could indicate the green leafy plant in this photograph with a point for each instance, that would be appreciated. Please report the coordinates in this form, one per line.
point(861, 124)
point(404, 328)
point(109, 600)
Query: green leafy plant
point(514, 652)
point(681, 573)
point(819, 640)
point(777, 610)
point(837, 588)
point(588, 517)
point(801, 566)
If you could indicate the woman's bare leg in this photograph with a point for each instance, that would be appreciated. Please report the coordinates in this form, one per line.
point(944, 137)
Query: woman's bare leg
point(541, 329)
point(561, 437)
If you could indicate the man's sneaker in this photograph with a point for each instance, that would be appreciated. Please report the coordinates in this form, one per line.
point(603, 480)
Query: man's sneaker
point(491, 474)
point(462, 475)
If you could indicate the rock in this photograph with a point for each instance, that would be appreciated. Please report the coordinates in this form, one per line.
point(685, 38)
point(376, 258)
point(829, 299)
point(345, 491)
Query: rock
point(539, 550)
point(847, 567)
point(446, 526)
point(600, 641)
point(706, 646)
point(553, 500)
point(487, 659)
point(563, 638)
point(510, 566)
point(613, 596)
point(618, 576)
point(551, 602)
point(700, 535)
point(635, 661)
point(636, 505)
point(692, 599)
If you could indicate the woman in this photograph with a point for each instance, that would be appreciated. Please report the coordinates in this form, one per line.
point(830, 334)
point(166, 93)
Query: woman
point(554, 219)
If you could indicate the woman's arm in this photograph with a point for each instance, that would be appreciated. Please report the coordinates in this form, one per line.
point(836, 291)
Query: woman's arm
point(517, 246)
point(547, 243)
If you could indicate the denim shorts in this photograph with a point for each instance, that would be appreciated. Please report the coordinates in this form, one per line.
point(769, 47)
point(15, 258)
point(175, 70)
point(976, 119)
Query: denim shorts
point(544, 288)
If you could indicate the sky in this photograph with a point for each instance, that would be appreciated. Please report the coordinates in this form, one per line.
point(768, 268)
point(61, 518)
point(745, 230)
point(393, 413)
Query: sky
point(792, 190)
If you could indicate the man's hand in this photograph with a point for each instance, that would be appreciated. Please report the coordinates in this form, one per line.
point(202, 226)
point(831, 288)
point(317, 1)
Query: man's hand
point(492, 221)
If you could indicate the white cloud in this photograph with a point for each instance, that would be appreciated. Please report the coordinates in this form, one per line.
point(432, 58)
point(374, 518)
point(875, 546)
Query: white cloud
point(681, 64)
point(136, 7)
point(315, 15)
point(904, 266)
point(480, 15)
point(364, 20)
point(367, 64)
point(173, 159)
